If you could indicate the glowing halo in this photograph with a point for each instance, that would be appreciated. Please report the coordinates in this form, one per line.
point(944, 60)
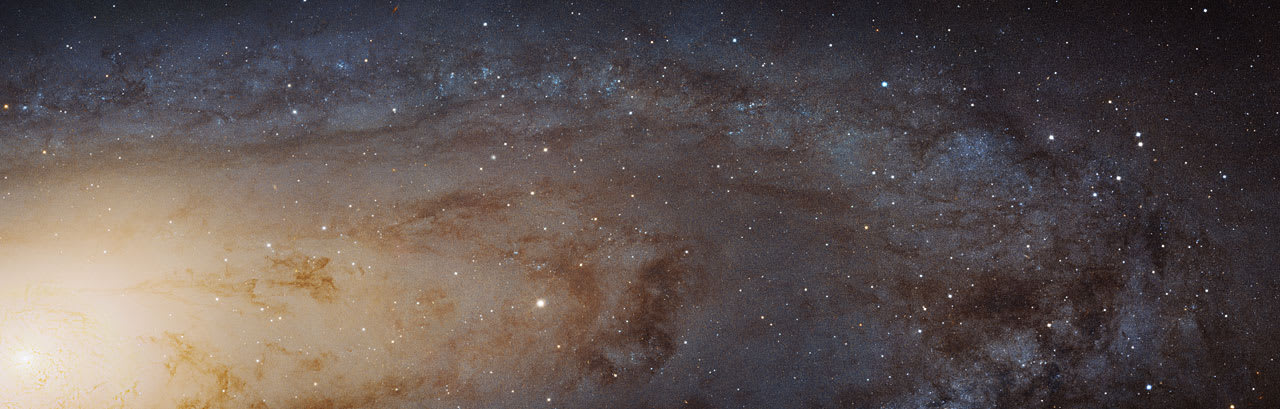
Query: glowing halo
point(61, 352)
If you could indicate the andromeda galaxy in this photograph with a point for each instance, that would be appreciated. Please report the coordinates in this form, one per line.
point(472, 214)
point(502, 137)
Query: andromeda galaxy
point(481, 204)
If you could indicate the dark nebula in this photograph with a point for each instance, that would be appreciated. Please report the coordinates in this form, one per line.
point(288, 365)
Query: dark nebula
point(333, 204)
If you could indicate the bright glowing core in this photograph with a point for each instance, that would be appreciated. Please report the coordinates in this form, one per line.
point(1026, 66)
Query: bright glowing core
point(23, 358)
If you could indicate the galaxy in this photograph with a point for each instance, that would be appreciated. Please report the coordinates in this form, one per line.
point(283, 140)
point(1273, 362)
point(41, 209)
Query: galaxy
point(483, 204)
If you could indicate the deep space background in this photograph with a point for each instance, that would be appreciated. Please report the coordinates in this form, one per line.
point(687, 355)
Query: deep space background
point(339, 204)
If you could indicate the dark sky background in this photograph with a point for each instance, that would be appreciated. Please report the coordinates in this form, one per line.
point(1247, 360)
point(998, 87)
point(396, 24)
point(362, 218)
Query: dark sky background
point(318, 204)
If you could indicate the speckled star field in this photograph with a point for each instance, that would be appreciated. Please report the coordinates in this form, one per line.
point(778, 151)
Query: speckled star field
point(337, 204)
